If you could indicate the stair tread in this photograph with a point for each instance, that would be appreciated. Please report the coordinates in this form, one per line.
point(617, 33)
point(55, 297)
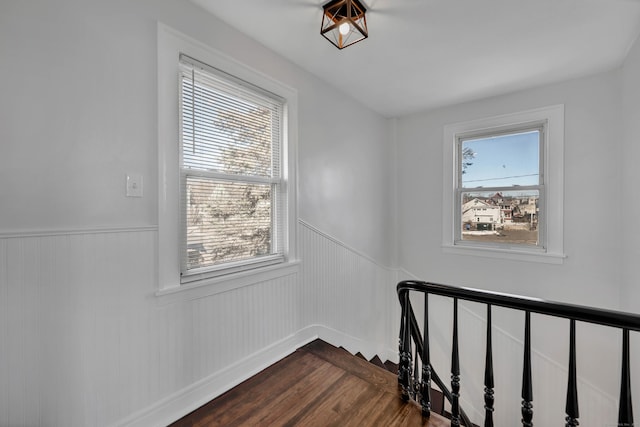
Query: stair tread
point(384, 375)
point(379, 377)
point(316, 385)
point(360, 367)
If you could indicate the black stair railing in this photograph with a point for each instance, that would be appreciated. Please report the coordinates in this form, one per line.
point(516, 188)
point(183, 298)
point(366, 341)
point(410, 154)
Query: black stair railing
point(411, 338)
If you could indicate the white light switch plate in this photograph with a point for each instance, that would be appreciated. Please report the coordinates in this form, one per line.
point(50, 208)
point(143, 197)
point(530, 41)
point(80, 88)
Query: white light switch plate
point(134, 185)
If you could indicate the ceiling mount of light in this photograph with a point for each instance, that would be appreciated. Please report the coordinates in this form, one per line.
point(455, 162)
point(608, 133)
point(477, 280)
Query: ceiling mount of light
point(344, 22)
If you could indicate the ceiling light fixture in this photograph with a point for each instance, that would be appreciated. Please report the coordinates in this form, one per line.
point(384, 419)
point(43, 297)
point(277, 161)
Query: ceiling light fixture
point(344, 22)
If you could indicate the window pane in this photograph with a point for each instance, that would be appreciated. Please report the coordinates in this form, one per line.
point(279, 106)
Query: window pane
point(503, 217)
point(224, 133)
point(501, 161)
point(227, 221)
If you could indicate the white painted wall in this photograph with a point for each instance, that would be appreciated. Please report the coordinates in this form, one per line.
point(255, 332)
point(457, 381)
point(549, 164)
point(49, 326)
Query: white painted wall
point(630, 178)
point(83, 339)
point(345, 175)
point(592, 154)
point(85, 342)
point(591, 273)
point(631, 201)
point(78, 112)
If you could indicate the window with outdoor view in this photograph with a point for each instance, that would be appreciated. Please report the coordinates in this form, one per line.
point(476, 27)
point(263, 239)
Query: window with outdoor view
point(231, 184)
point(500, 187)
point(503, 186)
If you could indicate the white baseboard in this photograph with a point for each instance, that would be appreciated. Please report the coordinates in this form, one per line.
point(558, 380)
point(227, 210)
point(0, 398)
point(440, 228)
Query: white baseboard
point(192, 397)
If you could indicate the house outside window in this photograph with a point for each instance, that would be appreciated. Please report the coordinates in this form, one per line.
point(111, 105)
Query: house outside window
point(497, 170)
point(503, 186)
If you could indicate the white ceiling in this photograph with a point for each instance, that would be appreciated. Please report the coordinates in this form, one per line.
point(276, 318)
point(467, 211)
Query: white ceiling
point(423, 54)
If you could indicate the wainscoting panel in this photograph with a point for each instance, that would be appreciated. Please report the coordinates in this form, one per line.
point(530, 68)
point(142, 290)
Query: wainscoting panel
point(346, 291)
point(85, 343)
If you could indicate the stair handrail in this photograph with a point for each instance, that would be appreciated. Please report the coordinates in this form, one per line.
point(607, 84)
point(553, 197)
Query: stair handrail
point(612, 318)
point(599, 316)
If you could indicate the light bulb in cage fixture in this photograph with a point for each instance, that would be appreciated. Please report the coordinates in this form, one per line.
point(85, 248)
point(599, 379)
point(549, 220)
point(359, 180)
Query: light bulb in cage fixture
point(344, 28)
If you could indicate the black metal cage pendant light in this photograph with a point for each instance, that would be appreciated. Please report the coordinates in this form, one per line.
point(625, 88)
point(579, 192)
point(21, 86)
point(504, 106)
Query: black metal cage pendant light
point(344, 22)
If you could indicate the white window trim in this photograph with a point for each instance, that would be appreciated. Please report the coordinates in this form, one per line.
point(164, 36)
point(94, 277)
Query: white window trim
point(553, 163)
point(170, 45)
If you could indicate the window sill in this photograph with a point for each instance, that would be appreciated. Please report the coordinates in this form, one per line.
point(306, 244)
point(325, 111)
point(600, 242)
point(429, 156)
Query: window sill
point(216, 285)
point(508, 254)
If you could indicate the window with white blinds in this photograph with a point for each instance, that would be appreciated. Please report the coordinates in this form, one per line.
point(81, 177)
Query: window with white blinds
point(232, 190)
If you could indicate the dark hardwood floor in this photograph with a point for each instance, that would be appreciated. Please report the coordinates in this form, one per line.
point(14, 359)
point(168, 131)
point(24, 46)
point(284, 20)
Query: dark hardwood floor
point(317, 385)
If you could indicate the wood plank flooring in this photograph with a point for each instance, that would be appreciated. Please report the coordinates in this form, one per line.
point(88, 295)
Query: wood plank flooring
point(317, 385)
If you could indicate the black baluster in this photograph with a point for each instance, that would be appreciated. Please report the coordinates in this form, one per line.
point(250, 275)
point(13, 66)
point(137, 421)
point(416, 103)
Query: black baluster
point(404, 370)
point(488, 375)
point(625, 413)
point(455, 370)
point(415, 381)
point(527, 386)
point(572, 385)
point(401, 342)
point(425, 385)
